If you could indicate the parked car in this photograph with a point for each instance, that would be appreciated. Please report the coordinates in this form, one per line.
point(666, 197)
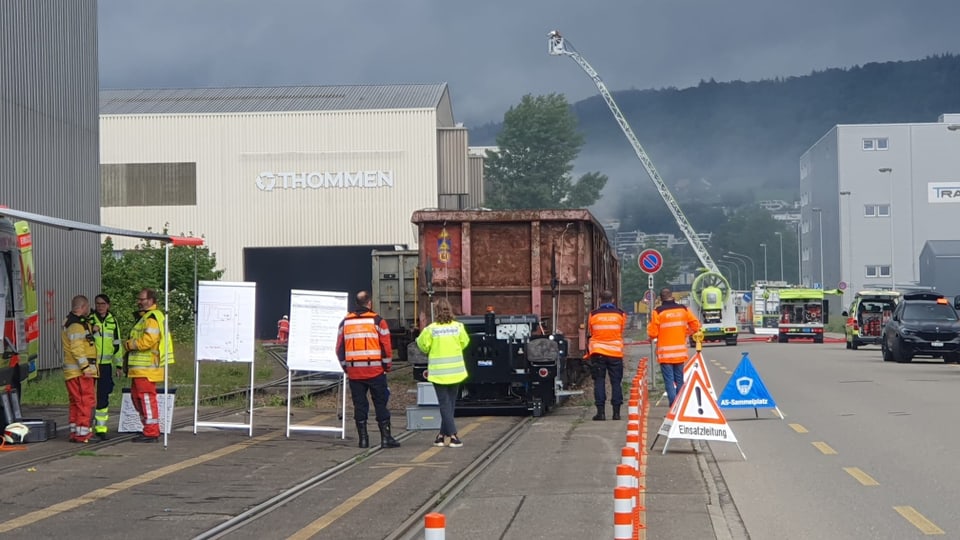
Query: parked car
point(869, 312)
point(923, 324)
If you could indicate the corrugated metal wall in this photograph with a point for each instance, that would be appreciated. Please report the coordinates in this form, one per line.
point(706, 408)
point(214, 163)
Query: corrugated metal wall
point(232, 150)
point(475, 195)
point(452, 164)
point(49, 145)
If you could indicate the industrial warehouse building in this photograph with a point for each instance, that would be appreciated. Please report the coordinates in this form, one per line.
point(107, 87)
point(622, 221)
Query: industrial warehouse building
point(872, 196)
point(48, 147)
point(291, 187)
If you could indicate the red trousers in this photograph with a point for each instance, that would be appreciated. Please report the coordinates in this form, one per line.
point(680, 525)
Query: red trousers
point(143, 392)
point(83, 398)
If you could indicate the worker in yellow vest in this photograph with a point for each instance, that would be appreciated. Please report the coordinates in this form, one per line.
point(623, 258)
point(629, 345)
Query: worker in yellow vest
point(149, 349)
point(443, 341)
point(106, 338)
point(79, 368)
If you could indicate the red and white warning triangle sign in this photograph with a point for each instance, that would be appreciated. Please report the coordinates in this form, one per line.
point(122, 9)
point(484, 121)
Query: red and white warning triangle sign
point(698, 364)
point(697, 416)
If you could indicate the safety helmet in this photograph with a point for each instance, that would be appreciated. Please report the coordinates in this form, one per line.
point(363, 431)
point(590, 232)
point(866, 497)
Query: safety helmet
point(15, 433)
point(284, 316)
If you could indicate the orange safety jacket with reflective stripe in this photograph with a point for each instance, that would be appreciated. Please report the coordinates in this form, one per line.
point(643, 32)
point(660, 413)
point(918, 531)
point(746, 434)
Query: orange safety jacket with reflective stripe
point(671, 324)
point(363, 345)
point(606, 325)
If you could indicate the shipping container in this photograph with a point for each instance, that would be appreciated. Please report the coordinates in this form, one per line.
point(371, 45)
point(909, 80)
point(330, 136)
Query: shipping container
point(549, 263)
point(394, 290)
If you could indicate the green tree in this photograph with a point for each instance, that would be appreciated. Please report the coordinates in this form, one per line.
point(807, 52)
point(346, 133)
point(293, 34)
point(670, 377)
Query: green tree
point(124, 273)
point(538, 144)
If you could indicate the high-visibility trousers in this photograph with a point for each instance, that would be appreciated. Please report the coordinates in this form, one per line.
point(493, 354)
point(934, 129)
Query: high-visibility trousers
point(83, 398)
point(143, 393)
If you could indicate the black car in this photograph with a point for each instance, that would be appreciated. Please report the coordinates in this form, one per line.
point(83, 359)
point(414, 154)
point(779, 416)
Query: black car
point(923, 324)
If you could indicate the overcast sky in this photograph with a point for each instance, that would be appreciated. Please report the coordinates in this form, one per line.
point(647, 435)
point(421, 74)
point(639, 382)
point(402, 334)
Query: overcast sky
point(492, 52)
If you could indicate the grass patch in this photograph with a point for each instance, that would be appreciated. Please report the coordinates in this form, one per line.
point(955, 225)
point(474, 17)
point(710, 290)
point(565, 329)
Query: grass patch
point(307, 402)
point(216, 378)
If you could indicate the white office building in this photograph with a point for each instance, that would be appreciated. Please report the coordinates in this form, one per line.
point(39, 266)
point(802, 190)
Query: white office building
point(872, 195)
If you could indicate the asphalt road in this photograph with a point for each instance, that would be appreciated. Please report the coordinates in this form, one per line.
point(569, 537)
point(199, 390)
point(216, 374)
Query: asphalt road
point(868, 448)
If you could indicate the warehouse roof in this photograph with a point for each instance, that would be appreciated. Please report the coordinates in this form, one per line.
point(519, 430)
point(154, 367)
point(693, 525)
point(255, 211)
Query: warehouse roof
point(943, 248)
point(274, 99)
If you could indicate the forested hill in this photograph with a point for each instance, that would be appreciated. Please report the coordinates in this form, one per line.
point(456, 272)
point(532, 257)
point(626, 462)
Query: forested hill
point(743, 140)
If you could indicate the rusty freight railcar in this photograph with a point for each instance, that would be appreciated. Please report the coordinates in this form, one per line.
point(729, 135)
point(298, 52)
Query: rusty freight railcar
point(548, 263)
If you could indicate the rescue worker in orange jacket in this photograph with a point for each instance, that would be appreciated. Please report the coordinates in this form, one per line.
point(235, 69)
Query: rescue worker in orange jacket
point(283, 329)
point(366, 355)
point(79, 368)
point(671, 325)
point(605, 348)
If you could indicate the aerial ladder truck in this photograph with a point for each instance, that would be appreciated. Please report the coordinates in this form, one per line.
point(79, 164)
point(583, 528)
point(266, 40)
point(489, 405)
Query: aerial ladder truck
point(713, 300)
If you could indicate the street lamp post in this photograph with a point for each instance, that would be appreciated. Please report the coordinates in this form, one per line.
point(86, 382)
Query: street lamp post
point(849, 246)
point(737, 263)
point(819, 212)
point(799, 255)
point(753, 268)
point(780, 234)
point(893, 280)
point(764, 246)
point(728, 267)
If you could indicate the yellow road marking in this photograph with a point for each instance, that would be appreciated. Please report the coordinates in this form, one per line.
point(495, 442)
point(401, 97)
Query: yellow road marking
point(437, 465)
point(346, 506)
point(325, 520)
point(798, 428)
point(861, 476)
point(917, 520)
point(824, 447)
point(149, 476)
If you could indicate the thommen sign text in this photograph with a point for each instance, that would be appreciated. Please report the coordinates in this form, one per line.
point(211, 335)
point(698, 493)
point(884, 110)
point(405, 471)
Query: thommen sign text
point(269, 181)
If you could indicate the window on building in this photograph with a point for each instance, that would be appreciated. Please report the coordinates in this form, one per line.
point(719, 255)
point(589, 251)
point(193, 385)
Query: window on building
point(877, 270)
point(148, 184)
point(875, 143)
point(876, 210)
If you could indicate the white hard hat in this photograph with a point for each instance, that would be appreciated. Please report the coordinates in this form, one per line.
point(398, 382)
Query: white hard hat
point(15, 433)
point(284, 316)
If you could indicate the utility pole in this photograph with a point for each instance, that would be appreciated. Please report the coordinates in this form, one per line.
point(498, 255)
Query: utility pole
point(780, 234)
point(764, 246)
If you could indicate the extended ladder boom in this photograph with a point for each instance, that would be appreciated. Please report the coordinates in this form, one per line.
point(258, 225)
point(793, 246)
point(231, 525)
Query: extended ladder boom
point(559, 47)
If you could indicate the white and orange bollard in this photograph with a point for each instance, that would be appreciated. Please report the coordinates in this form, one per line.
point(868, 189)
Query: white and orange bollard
point(434, 526)
point(623, 513)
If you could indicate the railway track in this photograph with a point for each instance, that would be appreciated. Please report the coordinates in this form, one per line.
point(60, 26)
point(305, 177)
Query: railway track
point(71, 450)
point(307, 385)
point(409, 528)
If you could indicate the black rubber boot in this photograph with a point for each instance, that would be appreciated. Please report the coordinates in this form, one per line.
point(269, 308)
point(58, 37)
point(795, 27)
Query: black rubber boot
point(386, 439)
point(600, 414)
point(362, 434)
point(616, 413)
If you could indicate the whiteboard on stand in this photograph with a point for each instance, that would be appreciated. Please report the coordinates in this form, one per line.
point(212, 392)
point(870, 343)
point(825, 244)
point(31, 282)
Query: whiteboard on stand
point(226, 317)
point(315, 318)
point(225, 321)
